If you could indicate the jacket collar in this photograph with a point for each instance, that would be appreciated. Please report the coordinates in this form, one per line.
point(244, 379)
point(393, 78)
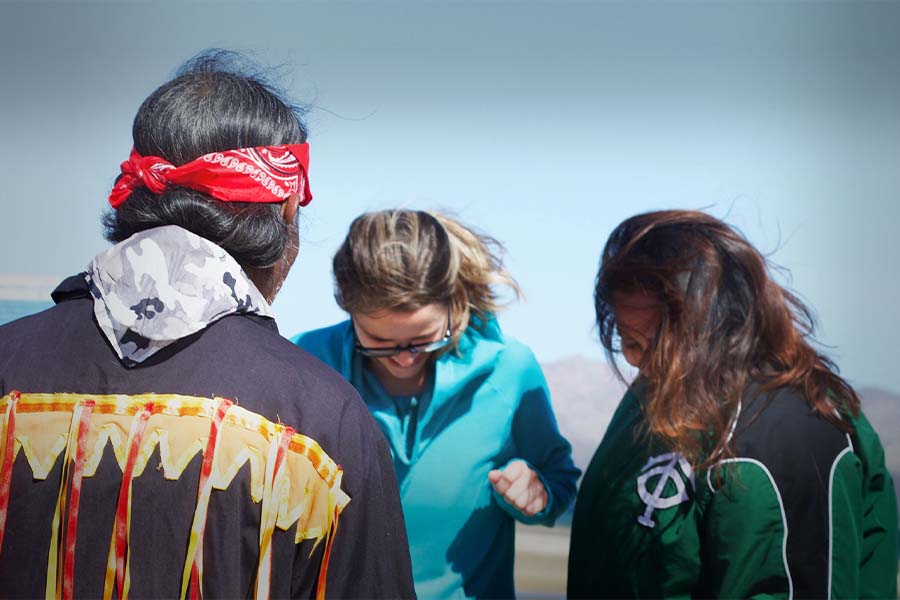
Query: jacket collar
point(162, 285)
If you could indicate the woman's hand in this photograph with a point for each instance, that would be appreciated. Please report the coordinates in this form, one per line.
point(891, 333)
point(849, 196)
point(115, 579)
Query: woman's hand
point(521, 486)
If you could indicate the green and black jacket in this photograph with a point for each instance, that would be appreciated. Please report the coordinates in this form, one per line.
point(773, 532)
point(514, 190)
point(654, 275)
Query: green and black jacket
point(801, 510)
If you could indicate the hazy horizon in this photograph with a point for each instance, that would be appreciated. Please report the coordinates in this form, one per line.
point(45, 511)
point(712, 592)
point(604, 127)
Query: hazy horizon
point(12, 309)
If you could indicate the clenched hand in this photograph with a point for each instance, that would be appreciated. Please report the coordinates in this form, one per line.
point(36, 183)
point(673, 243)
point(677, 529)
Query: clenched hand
point(520, 486)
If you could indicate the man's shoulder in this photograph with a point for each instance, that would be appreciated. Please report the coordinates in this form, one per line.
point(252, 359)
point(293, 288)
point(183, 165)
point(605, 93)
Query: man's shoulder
point(55, 312)
point(268, 374)
point(29, 328)
point(284, 361)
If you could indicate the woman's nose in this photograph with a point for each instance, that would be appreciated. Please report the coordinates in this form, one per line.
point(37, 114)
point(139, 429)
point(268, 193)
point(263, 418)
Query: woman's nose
point(405, 358)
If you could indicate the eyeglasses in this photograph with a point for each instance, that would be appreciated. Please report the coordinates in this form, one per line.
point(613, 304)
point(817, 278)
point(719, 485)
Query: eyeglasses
point(411, 348)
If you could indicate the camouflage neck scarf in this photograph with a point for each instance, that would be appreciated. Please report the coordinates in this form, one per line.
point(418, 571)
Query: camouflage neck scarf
point(162, 285)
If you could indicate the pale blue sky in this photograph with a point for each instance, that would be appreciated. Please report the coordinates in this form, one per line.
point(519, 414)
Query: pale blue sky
point(545, 124)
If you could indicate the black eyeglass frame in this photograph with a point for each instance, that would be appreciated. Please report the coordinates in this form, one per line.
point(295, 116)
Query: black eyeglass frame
point(422, 348)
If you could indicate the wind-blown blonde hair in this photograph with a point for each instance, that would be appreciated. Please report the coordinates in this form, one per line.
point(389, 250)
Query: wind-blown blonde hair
point(402, 260)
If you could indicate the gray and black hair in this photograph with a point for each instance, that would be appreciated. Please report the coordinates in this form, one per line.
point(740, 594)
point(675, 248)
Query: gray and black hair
point(217, 101)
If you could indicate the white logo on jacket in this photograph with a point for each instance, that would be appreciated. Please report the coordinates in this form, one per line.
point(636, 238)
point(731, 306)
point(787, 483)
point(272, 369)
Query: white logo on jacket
point(666, 467)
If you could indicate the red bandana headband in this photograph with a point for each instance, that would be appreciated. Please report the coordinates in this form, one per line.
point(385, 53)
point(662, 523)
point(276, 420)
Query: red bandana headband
point(266, 174)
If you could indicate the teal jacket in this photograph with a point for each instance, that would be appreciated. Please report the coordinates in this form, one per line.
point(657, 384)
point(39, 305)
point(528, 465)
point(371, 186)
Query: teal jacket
point(488, 404)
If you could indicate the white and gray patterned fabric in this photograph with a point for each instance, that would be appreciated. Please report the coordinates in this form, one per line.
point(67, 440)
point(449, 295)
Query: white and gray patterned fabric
point(162, 285)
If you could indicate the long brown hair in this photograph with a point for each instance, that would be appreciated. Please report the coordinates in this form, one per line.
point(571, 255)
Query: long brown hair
point(724, 324)
point(404, 259)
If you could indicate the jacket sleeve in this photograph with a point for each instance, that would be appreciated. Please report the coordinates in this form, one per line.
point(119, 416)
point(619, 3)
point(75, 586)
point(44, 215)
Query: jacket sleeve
point(370, 556)
point(744, 533)
point(541, 445)
point(879, 549)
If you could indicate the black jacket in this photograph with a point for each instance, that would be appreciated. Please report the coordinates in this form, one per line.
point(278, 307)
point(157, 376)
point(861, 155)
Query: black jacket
point(239, 357)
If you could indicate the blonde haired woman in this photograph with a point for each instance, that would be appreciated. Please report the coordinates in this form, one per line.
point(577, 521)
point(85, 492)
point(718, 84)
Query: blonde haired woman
point(466, 410)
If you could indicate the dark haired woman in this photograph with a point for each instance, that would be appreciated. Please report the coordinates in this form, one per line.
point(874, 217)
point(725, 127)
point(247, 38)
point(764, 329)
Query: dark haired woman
point(465, 409)
point(739, 463)
point(177, 488)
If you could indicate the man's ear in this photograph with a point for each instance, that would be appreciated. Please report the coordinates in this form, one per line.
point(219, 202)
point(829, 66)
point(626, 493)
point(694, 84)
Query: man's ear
point(289, 208)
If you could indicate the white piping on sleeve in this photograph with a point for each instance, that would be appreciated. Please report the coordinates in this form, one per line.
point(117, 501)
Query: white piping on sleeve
point(834, 464)
point(753, 461)
point(734, 423)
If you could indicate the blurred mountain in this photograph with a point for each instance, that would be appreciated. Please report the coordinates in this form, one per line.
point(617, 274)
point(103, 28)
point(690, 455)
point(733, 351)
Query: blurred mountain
point(585, 394)
point(882, 408)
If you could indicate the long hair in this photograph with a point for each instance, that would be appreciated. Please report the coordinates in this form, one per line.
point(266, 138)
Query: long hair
point(403, 260)
point(724, 324)
point(218, 101)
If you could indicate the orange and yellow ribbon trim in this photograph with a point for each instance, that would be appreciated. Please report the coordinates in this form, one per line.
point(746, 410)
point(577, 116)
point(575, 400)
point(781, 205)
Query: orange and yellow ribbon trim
point(298, 484)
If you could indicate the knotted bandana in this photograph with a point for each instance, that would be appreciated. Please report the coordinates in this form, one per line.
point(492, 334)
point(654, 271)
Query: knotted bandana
point(267, 174)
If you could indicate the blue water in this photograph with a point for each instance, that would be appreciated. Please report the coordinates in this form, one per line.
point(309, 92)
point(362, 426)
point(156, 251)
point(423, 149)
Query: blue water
point(10, 310)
